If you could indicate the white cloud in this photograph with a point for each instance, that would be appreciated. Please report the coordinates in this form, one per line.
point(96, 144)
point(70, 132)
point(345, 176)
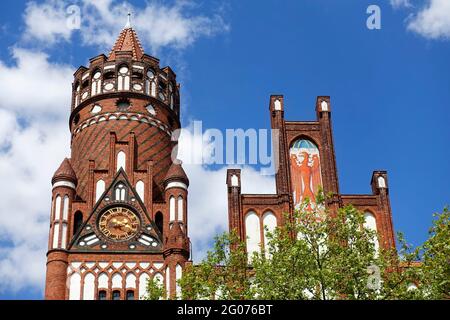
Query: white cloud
point(208, 197)
point(433, 21)
point(158, 24)
point(46, 21)
point(400, 3)
point(34, 86)
point(35, 92)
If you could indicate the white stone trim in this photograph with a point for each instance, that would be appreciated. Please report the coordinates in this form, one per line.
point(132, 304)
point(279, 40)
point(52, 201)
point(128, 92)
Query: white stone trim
point(63, 183)
point(176, 184)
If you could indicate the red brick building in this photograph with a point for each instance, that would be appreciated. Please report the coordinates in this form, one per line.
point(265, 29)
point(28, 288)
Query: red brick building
point(305, 161)
point(119, 204)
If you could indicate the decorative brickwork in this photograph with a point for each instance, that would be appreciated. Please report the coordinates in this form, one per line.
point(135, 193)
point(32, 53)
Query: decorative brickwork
point(112, 224)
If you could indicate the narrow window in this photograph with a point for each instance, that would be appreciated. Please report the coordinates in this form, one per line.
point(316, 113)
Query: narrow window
point(102, 295)
point(116, 295)
point(99, 189)
point(130, 295)
point(120, 192)
point(140, 189)
point(159, 221)
point(58, 208)
point(121, 159)
point(172, 208)
point(66, 208)
point(180, 208)
point(55, 235)
point(77, 221)
point(253, 234)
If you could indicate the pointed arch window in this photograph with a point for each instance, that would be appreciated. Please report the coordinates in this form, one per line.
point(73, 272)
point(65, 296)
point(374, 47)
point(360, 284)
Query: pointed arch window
point(140, 189)
point(120, 192)
point(123, 78)
point(180, 208)
point(150, 83)
point(77, 94)
point(77, 221)
point(99, 189)
point(159, 221)
point(253, 233)
point(121, 160)
point(370, 223)
point(172, 208)
point(96, 83)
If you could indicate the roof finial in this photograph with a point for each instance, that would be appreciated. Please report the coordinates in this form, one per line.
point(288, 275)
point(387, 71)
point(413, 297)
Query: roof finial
point(128, 25)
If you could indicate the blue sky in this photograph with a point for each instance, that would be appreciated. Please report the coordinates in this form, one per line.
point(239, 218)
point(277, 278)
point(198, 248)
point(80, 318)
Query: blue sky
point(389, 91)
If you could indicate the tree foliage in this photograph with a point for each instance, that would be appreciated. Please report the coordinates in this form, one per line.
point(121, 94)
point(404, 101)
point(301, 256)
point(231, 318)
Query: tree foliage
point(321, 255)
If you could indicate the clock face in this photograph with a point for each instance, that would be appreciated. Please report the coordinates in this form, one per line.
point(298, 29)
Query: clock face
point(119, 223)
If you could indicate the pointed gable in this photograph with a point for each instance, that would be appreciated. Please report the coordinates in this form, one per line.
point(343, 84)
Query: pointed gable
point(148, 238)
point(127, 41)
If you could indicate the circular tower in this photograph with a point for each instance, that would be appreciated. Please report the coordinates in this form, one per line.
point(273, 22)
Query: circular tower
point(118, 225)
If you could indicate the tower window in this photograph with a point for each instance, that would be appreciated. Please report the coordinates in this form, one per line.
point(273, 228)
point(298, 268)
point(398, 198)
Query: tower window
point(159, 220)
point(77, 221)
point(130, 295)
point(102, 295)
point(120, 192)
point(116, 295)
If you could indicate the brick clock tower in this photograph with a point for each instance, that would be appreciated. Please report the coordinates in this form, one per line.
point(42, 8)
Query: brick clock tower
point(119, 204)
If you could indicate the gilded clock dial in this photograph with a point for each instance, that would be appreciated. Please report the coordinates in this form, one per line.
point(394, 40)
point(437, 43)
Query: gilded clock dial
point(119, 223)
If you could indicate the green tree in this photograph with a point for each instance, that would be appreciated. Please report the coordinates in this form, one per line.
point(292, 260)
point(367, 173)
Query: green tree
point(434, 271)
point(155, 290)
point(317, 254)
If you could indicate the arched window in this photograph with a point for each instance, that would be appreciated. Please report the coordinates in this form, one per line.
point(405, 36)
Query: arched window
point(96, 83)
point(77, 221)
point(143, 283)
point(172, 208)
point(65, 208)
point(77, 94)
point(150, 83)
point(64, 235)
point(130, 281)
point(120, 192)
point(75, 286)
point(370, 223)
point(159, 221)
point(130, 295)
point(116, 295)
point(180, 208)
point(306, 179)
point(168, 280)
point(88, 287)
point(140, 189)
point(55, 235)
point(178, 274)
point(99, 189)
point(269, 224)
point(58, 207)
point(123, 78)
point(102, 295)
point(381, 182)
point(103, 281)
point(116, 280)
point(253, 233)
point(121, 160)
